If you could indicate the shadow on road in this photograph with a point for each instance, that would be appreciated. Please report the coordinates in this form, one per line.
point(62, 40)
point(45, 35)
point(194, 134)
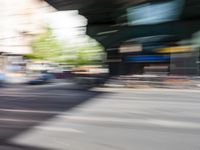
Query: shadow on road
point(25, 107)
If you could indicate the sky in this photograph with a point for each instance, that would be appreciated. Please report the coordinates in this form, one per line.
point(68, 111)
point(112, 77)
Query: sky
point(29, 15)
point(68, 25)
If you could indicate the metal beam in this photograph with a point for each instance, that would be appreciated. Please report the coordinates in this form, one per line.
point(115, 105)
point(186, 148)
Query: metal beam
point(182, 29)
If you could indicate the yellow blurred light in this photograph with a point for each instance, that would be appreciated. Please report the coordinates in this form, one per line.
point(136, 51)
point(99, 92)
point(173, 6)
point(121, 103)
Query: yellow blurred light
point(176, 49)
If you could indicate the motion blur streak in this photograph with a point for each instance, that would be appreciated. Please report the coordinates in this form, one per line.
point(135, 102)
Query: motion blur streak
point(99, 74)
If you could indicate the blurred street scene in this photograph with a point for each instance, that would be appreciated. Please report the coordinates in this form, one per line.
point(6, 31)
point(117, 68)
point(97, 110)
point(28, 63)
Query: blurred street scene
point(109, 74)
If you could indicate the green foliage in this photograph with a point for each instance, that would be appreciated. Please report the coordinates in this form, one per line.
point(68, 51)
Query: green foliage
point(87, 54)
point(45, 46)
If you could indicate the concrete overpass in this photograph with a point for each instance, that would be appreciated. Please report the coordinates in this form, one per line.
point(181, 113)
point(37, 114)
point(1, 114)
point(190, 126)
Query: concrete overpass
point(109, 20)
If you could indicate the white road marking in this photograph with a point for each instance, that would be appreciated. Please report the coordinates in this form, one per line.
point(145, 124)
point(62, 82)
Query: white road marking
point(30, 111)
point(141, 90)
point(157, 122)
point(19, 120)
point(11, 94)
point(60, 129)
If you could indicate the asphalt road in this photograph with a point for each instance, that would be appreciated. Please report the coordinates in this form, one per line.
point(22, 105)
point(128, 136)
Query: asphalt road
point(22, 108)
point(43, 118)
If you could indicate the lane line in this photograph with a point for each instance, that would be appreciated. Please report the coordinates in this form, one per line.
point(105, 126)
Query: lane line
point(60, 129)
point(30, 111)
point(157, 122)
point(141, 90)
point(19, 120)
point(37, 94)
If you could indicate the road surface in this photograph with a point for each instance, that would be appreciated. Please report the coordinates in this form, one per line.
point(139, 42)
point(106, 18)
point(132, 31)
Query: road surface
point(43, 118)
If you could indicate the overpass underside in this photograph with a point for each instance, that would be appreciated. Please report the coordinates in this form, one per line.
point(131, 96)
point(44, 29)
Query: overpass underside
point(136, 32)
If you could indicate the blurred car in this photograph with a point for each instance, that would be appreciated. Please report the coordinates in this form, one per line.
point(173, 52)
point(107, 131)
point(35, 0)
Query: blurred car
point(90, 70)
point(43, 78)
point(2, 78)
point(90, 75)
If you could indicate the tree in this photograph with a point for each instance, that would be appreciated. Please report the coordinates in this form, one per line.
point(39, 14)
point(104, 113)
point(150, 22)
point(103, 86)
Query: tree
point(45, 46)
point(89, 53)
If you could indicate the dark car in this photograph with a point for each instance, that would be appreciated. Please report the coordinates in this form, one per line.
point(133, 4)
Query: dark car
point(44, 78)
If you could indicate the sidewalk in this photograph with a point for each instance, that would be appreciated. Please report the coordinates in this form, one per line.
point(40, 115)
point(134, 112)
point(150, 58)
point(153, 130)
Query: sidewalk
point(154, 81)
